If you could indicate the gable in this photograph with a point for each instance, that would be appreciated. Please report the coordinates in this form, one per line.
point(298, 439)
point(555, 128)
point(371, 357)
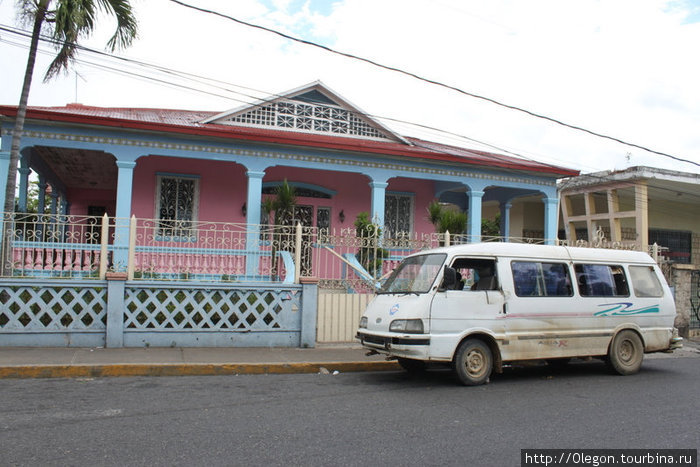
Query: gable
point(311, 109)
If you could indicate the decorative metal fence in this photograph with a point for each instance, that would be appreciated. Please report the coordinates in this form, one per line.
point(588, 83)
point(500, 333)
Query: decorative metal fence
point(218, 251)
point(52, 245)
point(344, 260)
point(695, 300)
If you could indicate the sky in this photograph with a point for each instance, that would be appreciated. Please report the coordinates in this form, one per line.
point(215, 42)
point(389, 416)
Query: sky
point(624, 68)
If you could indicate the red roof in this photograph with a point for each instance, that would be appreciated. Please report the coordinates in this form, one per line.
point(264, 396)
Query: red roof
point(186, 122)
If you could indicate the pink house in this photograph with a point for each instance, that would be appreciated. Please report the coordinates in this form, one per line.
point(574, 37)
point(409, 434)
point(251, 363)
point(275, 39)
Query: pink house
point(182, 172)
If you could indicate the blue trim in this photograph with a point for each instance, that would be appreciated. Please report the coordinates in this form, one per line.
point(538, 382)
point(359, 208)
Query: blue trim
point(400, 193)
point(307, 186)
point(176, 175)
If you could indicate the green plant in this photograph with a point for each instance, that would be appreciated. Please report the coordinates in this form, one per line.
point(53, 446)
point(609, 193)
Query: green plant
point(282, 205)
point(491, 228)
point(445, 219)
point(369, 254)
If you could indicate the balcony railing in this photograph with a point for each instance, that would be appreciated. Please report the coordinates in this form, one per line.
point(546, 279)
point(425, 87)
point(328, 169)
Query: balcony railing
point(62, 246)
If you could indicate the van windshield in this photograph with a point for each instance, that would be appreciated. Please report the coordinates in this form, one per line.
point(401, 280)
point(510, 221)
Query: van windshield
point(414, 275)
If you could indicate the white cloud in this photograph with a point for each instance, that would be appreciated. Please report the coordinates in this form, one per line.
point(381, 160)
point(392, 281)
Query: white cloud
point(624, 68)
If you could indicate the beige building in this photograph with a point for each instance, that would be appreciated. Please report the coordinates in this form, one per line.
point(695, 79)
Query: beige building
point(638, 206)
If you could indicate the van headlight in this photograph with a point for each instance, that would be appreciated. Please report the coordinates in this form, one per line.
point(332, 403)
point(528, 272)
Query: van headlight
point(363, 322)
point(413, 326)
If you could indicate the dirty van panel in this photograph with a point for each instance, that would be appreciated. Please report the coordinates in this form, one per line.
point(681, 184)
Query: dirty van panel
point(475, 303)
point(543, 319)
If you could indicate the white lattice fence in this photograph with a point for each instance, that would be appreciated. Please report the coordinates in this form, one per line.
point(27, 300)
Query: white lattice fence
point(180, 315)
point(59, 313)
point(239, 310)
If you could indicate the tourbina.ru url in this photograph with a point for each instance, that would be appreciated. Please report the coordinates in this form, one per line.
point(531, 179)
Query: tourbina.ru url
point(603, 457)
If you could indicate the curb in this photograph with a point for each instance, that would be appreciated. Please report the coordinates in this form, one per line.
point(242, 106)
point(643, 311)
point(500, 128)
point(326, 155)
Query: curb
point(188, 369)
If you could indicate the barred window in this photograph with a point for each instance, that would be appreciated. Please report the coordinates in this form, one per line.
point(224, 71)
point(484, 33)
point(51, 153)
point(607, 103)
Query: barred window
point(398, 214)
point(176, 207)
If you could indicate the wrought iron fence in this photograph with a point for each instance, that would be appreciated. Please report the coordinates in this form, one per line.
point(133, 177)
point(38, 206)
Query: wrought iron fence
point(695, 300)
point(53, 245)
point(218, 251)
point(343, 260)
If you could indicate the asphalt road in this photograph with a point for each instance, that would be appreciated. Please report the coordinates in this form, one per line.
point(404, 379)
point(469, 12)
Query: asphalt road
point(386, 418)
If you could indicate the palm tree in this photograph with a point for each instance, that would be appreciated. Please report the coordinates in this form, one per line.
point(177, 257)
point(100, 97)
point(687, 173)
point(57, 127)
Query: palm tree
point(64, 22)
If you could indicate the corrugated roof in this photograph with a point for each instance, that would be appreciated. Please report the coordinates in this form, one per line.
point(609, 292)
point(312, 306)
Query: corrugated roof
point(187, 122)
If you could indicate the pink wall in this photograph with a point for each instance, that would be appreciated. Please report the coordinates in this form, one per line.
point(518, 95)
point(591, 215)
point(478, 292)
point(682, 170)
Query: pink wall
point(424, 193)
point(222, 186)
point(81, 198)
point(223, 189)
point(354, 193)
point(352, 197)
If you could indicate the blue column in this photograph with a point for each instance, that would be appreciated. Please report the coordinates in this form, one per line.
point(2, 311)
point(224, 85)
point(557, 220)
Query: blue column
point(505, 219)
point(551, 219)
point(309, 311)
point(378, 200)
point(125, 181)
point(41, 204)
point(4, 170)
point(253, 202)
point(54, 201)
point(23, 186)
point(114, 332)
point(474, 230)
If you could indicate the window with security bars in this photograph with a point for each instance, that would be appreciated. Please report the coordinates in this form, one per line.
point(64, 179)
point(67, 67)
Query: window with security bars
point(398, 214)
point(176, 208)
point(308, 117)
point(678, 243)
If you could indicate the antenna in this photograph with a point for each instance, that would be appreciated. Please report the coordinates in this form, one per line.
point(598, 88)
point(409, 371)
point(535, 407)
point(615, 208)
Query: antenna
point(76, 84)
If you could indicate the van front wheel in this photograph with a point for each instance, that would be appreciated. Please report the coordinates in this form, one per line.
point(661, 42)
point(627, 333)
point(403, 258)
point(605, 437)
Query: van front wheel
point(626, 353)
point(473, 362)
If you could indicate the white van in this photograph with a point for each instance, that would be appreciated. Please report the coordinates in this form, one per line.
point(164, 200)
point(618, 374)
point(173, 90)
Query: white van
point(481, 305)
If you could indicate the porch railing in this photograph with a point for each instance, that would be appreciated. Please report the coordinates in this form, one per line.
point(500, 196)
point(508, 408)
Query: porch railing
point(86, 247)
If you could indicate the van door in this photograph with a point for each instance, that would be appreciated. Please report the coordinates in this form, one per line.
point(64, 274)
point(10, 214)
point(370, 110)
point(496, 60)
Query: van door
point(542, 314)
point(474, 304)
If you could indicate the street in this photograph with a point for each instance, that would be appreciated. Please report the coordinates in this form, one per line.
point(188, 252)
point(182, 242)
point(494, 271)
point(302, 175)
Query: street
point(347, 419)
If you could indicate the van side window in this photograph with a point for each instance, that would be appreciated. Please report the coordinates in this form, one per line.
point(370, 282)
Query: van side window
point(645, 282)
point(475, 274)
point(536, 279)
point(601, 280)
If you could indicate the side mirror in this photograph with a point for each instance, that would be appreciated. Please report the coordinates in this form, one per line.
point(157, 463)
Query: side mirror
point(449, 279)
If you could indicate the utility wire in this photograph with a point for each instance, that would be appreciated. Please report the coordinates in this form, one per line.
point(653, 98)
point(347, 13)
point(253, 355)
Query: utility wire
point(204, 80)
point(434, 82)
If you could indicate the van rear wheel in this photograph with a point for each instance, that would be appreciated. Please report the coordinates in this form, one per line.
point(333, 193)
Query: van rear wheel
point(473, 362)
point(626, 353)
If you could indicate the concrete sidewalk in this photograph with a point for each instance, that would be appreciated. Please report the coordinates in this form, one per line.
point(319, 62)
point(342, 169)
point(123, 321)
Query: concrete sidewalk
point(61, 362)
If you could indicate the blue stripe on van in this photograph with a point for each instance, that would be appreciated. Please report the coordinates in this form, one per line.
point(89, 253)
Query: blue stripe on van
point(625, 308)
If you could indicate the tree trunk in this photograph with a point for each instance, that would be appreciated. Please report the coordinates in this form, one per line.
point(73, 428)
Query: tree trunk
point(22, 109)
point(17, 135)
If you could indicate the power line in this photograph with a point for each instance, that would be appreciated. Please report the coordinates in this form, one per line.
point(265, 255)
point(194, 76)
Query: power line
point(437, 83)
point(207, 81)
